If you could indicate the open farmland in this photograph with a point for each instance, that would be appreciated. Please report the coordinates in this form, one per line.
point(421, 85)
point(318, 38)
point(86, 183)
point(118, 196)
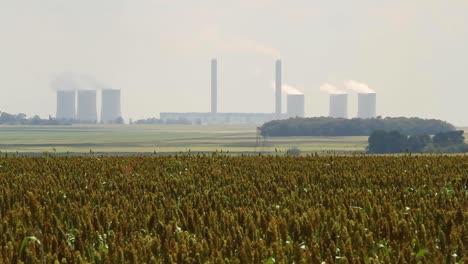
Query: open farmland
point(127, 139)
point(236, 209)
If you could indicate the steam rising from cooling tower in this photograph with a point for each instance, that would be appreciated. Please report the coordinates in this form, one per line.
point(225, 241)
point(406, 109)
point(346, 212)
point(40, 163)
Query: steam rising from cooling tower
point(358, 87)
point(331, 89)
point(366, 98)
point(287, 88)
point(110, 108)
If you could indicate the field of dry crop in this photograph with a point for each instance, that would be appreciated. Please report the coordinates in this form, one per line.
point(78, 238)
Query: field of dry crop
point(234, 209)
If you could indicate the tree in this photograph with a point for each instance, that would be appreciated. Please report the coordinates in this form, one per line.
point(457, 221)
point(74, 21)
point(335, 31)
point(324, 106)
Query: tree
point(325, 126)
point(450, 138)
point(387, 142)
point(418, 143)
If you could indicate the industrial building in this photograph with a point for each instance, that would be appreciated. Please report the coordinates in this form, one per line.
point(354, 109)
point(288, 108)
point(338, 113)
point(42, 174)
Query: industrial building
point(110, 107)
point(87, 110)
point(366, 105)
point(339, 105)
point(295, 105)
point(221, 118)
point(66, 105)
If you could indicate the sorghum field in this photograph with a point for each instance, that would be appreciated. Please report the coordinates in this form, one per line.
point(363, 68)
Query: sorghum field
point(234, 209)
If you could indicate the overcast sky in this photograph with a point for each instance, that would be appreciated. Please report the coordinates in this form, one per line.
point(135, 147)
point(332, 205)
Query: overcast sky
point(413, 53)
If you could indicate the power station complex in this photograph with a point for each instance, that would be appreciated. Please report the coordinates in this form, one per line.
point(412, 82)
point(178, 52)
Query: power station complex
point(81, 105)
point(86, 110)
point(295, 106)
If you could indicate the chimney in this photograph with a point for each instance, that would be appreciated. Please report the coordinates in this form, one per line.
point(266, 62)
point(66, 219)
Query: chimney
point(278, 88)
point(214, 87)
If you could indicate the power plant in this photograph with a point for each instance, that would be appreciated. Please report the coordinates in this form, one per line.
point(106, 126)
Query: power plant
point(214, 117)
point(87, 110)
point(339, 105)
point(110, 107)
point(295, 105)
point(80, 104)
point(66, 105)
point(366, 105)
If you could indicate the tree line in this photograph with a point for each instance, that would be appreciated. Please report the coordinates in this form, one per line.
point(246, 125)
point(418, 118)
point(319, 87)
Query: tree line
point(23, 119)
point(396, 142)
point(327, 126)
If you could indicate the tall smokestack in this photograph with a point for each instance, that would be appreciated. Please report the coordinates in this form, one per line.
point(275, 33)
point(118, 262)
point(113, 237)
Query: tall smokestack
point(214, 87)
point(278, 87)
point(366, 105)
point(339, 105)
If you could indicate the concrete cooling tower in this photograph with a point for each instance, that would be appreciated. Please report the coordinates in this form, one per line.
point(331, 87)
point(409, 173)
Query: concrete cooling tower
point(366, 105)
point(339, 105)
point(66, 105)
point(87, 111)
point(110, 108)
point(295, 105)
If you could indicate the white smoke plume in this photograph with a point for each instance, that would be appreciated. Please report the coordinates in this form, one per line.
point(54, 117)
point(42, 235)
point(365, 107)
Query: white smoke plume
point(331, 89)
point(68, 81)
point(212, 37)
point(287, 89)
point(95, 84)
point(358, 87)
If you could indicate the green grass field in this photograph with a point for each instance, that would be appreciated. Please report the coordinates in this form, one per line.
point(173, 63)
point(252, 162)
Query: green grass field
point(162, 139)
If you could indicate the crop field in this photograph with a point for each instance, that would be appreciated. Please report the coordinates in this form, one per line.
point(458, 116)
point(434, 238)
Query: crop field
point(162, 139)
point(234, 209)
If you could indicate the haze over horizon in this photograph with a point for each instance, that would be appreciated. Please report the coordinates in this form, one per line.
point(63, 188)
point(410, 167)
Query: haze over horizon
point(158, 52)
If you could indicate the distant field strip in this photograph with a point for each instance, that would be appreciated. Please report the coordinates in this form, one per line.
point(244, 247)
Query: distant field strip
point(165, 138)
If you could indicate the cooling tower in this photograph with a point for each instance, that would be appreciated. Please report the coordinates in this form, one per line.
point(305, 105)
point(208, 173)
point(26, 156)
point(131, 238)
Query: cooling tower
point(87, 111)
point(295, 106)
point(66, 105)
point(278, 88)
point(110, 108)
point(366, 105)
point(214, 87)
point(339, 105)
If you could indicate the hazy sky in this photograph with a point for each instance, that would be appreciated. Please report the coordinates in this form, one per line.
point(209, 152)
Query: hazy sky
point(413, 53)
